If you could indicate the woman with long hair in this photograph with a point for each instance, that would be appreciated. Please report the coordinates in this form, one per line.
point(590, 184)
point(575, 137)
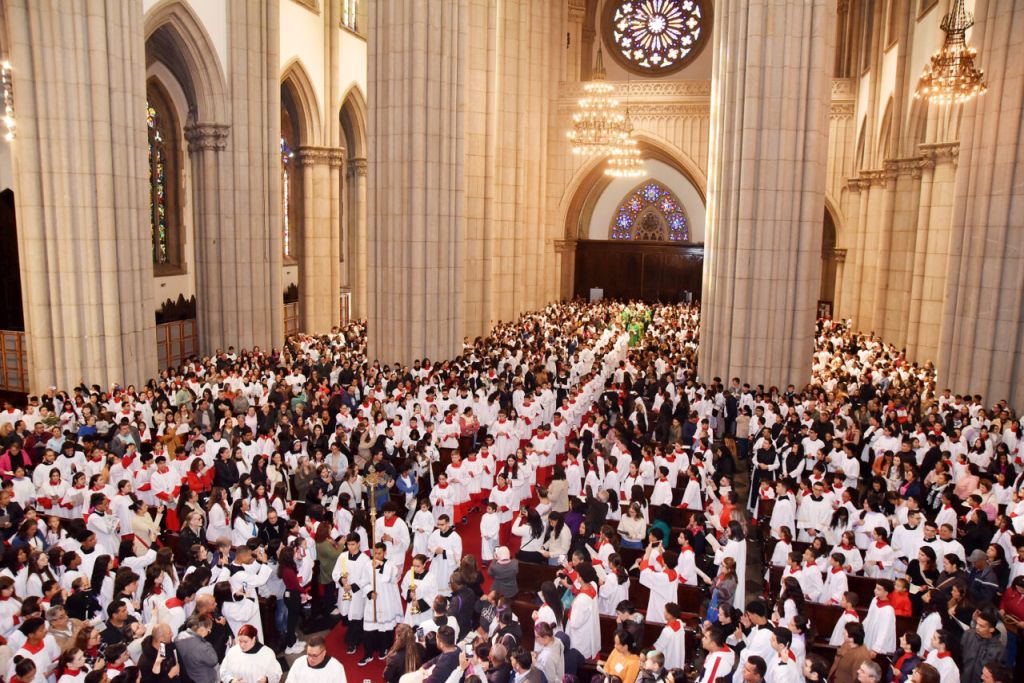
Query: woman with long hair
point(294, 592)
point(615, 588)
point(723, 590)
point(557, 538)
point(791, 602)
point(404, 656)
point(219, 515)
point(530, 529)
point(736, 548)
point(243, 526)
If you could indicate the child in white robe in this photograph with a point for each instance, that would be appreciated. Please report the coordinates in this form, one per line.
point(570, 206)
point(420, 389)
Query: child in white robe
point(443, 498)
point(490, 528)
point(423, 524)
point(672, 640)
point(880, 622)
point(418, 588)
point(383, 609)
point(848, 602)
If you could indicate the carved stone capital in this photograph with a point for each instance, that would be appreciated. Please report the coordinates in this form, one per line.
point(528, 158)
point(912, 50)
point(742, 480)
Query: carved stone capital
point(940, 152)
point(912, 166)
point(564, 246)
point(577, 10)
point(207, 136)
point(321, 156)
point(839, 110)
point(357, 167)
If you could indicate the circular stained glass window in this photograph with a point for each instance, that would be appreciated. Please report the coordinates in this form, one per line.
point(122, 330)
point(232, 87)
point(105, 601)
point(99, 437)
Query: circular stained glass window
point(656, 37)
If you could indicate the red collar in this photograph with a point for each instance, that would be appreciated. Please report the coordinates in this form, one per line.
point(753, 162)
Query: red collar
point(588, 589)
point(71, 672)
point(836, 570)
point(174, 602)
point(675, 625)
point(881, 544)
point(34, 650)
point(390, 522)
point(942, 655)
point(881, 603)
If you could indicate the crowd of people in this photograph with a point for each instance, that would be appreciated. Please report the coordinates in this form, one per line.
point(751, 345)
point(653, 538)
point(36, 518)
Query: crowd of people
point(190, 529)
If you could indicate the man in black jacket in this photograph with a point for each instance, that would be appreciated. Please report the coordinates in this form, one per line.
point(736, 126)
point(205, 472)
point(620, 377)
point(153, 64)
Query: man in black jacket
point(159, 662)
point(443, 665)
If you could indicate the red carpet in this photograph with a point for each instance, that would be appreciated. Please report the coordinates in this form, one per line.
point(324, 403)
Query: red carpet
point(374, 671)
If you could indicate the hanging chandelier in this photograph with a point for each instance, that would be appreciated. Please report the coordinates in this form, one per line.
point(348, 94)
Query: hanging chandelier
point(624, 160)
point(597, 123)
point(951, 76)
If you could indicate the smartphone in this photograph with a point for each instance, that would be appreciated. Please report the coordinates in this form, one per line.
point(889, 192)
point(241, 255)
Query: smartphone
point(469, 650)
point(163, 650)
point(419, 633)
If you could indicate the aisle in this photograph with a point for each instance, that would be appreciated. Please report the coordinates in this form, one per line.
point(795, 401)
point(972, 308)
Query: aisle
point(374, 671)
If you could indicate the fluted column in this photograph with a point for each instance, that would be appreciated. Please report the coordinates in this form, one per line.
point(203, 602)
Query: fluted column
point(417, 70)
point(251, 243)
point(319, 264)
point(771, 94)
point(210, 179)
point(982, 337)
point(81, 187)
point(355, 236)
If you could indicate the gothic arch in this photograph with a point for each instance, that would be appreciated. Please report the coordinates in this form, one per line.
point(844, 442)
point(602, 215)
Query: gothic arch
point(296, 83)
point(884, 132)
point(589, 181)
point(650, 211)
point(353, 122)
point(176, 37)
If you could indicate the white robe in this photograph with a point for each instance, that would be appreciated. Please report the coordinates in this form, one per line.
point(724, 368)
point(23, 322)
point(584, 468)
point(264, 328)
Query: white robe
point(664, 587)
point(445, 553)
point(839, 632)
point(490, 525)
point(737, 550)
point(583, 626)
point(247, 667)
point(422, 527)
point(396, 548)
point(332, 671)
point(443, 498)
point(384, 612)
point(880, 628)
point(358, 570)
point(672, 643)
point(949, 672)
point(426, 590)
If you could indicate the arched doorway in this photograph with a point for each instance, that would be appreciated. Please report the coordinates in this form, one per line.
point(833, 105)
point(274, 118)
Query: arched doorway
point(354, 228)
point(830, 257)
point(638, 238)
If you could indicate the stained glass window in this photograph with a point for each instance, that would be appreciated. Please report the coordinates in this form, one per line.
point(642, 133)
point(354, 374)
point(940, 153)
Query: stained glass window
point(650, 212)
point(350, 14)
point(290, 189)
point(656, 36)
point(162, 127)
point(157, 185)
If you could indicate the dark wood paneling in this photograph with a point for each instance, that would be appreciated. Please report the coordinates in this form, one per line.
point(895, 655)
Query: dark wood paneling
point(639, 270)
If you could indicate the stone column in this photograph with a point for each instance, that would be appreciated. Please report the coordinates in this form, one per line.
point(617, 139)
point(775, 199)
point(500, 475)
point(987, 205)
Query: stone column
point(931, 253)
point(417, 71)
point(81, 188)
point(770, 100)
point(319, 263)
point(356, 237)
point(981, 347)
point(206, 145)
point(251, 245)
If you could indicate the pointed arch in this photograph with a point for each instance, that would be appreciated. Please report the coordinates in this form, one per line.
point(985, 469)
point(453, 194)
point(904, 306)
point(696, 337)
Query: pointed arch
point(884, 132)
point(353, 122)
point(176, 38)
point(296, 83)
point(650, 212)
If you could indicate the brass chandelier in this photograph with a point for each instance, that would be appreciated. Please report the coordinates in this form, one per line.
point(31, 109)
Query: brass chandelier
point(597, 123)
point(624, 160)
point(951, 76)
